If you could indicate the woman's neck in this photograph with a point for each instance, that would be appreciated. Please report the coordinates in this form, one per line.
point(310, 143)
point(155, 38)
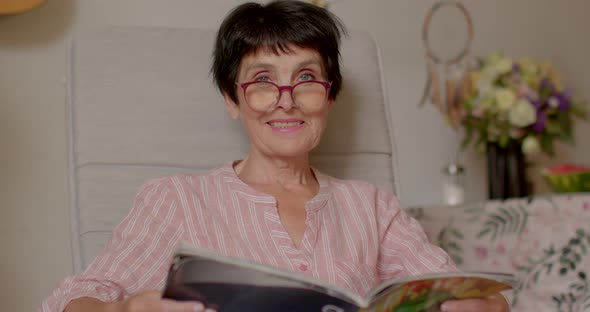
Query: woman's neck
point(289, 173)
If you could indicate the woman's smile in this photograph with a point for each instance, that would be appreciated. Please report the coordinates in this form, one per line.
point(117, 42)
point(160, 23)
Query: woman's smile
point(286, 125)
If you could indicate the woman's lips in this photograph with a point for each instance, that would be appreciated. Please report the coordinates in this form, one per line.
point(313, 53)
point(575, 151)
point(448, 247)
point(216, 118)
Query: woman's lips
point(286, 125)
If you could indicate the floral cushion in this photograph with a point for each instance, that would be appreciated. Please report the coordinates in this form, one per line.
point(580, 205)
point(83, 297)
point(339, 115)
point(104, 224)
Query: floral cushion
point(544, 241)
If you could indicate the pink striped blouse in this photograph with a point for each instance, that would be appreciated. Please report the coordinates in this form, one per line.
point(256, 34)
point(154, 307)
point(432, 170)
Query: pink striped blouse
point(355, 237)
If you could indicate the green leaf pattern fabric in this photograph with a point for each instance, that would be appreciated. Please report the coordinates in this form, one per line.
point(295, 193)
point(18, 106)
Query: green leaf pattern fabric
point(544, 240)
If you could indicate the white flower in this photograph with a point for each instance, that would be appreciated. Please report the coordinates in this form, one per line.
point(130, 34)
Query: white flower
point(505, 98)
point(489, 74)
point(553, 102)
point(492, 58)
point(530, 145)
point(495, 65)
point(503, 65)
point(522, 114)
point(527, 66)
point(484, 84)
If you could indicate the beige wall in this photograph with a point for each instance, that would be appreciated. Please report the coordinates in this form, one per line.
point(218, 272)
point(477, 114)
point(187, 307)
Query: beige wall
point(34, 223)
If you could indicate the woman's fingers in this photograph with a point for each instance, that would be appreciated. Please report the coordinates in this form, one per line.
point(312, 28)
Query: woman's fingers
point(152, 301)
point(182, 306)
point(490, 304)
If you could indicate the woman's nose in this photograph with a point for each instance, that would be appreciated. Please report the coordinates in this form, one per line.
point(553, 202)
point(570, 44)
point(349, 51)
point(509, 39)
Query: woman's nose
point(285, 100)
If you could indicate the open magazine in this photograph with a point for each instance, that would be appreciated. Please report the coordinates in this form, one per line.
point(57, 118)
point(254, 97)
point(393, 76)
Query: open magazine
point(231, 285)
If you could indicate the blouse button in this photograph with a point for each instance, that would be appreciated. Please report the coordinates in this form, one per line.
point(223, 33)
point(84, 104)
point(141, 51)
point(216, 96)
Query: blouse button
point(303, 267)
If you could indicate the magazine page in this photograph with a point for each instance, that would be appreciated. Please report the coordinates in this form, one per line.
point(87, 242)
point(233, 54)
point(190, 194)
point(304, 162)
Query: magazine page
point(425, 293)
point(230, 284)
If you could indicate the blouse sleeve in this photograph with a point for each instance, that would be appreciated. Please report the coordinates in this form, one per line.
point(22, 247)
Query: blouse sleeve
point(404, 247)
point(136, 257)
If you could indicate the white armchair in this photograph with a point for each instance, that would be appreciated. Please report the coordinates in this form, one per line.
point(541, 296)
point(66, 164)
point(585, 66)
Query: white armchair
point(142, 105)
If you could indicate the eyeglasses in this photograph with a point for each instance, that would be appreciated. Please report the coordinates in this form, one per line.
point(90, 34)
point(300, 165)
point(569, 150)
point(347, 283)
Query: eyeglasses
point(309, 95)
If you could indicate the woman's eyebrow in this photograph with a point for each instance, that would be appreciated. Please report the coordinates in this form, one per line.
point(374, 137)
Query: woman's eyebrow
point(309, 62)
point(269, 66)
point(259, 66)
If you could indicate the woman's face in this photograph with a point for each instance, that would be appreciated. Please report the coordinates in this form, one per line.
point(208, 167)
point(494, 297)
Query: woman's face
point(286, 129)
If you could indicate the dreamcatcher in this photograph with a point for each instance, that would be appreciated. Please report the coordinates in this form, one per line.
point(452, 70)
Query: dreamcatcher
point(448, 78)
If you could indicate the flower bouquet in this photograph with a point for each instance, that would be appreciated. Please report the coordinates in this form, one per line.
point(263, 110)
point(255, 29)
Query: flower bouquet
point(514, 107)
point(518, 101)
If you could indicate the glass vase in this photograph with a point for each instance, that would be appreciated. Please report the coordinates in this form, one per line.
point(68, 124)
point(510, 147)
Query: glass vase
point(506, 171)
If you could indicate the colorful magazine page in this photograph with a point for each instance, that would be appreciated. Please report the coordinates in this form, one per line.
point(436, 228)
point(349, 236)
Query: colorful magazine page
point(426, 294)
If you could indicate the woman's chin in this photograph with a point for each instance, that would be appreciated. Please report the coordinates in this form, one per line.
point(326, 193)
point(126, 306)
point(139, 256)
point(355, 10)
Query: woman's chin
point(288, 152)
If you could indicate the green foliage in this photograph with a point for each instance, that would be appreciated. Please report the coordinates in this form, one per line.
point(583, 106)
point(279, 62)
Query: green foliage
point(567, 259)
point(449, 239)
point(508, 220)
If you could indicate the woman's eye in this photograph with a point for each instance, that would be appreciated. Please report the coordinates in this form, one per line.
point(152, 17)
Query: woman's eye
point(306, 76)
point(262, 78)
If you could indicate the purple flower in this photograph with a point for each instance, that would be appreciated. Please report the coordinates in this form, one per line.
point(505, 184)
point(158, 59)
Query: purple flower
point(546, 84)
point(515, 68)
point(564, 100)
point(539, 125)
point(536, 102)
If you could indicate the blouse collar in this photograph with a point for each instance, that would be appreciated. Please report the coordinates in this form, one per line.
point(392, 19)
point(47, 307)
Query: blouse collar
point(236, 184)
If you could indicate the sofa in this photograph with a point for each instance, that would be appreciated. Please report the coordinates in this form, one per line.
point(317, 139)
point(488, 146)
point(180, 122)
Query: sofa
point(544, 240)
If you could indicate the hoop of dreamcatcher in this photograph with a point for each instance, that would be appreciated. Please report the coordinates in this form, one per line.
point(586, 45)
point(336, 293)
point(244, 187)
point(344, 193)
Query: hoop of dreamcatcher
point(456, 70)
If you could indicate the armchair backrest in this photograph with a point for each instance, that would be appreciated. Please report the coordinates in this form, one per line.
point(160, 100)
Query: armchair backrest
point(142, 105)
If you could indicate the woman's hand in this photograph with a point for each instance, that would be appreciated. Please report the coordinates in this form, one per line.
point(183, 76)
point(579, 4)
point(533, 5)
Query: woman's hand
point(149, 301)
point(152, 301)
point(494, 303)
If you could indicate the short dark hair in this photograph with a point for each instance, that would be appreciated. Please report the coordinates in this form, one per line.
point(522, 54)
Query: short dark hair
point(276, 25)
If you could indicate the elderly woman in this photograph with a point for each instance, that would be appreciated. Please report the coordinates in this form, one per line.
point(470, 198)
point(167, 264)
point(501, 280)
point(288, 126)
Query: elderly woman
point(277, 66)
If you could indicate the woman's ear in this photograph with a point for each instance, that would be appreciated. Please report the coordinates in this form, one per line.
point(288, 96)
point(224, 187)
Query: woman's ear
point(232, 107)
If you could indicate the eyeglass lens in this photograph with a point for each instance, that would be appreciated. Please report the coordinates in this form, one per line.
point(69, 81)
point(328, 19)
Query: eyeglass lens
point(309, 96)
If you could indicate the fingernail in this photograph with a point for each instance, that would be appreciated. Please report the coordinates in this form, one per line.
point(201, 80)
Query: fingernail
point(198, 307)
